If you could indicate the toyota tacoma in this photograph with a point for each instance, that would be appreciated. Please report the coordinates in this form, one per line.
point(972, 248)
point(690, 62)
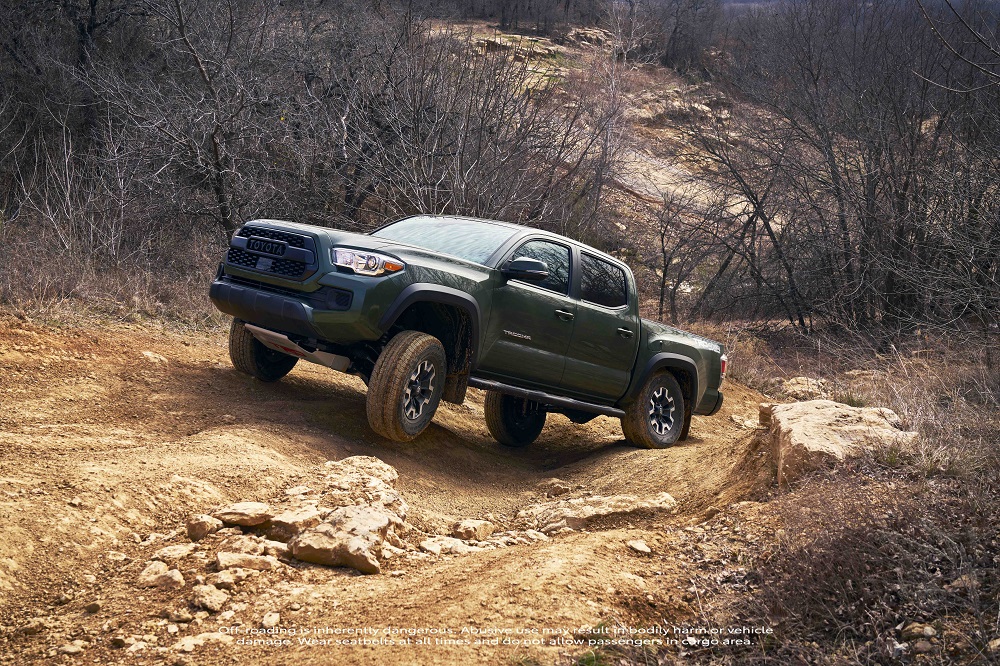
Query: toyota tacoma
point(427, 306)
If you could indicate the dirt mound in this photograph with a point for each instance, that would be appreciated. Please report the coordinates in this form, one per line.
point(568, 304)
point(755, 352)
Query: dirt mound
point(112, 437)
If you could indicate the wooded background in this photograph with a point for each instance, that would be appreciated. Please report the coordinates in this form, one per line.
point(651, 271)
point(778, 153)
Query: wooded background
point(850, 181)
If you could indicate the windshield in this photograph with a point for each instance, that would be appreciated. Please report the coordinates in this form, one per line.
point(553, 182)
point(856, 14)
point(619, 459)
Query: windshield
point(472, 240)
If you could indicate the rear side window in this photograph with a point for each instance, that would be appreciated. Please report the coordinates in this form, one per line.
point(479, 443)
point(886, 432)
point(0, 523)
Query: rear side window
point(603, 283)
point(555, 256)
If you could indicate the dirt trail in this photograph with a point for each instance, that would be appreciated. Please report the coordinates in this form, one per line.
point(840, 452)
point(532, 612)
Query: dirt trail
point(111, 436)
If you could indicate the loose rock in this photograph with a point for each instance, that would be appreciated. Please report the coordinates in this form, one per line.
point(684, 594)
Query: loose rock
point(270, 620)
point(189, 643)
point(245, 514)
point(351, 536)
point(209, 597)
point(918, 630)
point(447, 545)
point(169, 553)
point(554, 487)
point(574, 514)
point(639, 546)
point(76, 647)
point(182, 616)
point(201, 525)
point(226, 560)
point(473, 530)
point(157, 574)
point(288, 523)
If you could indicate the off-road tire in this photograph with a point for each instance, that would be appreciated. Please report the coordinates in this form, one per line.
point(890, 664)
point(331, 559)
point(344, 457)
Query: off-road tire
point(250, 356)
point(649, 422)
point(415, 361)
point(513, 422)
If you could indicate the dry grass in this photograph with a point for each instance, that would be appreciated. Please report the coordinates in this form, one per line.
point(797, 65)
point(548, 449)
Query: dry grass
point(887, 539)
point(165, 281)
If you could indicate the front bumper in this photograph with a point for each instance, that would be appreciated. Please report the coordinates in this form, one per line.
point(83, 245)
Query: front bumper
point(334, 311)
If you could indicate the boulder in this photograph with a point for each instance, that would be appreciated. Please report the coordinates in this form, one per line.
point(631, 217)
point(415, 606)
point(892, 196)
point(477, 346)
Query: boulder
point(577, 513)
point(811, 434)
point(201, 525)
point(209, 597)
point(473, 530)
point(351, 536)
point(245, 514)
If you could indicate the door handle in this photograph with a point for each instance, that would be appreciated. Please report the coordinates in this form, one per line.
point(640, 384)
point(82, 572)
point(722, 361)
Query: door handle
point(564, 315)
point(625, 333)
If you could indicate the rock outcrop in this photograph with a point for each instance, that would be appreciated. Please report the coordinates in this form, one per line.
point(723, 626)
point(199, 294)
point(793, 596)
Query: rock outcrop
point(804, 388)
point(808, 435)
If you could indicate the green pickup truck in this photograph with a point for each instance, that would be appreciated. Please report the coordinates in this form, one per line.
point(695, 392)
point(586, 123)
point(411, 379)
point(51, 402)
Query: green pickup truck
point(424, 307)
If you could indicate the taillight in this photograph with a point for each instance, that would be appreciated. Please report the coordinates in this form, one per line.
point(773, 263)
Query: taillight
point(722, 366)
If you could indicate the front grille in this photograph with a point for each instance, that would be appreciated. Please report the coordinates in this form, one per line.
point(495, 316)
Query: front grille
point(287, 268)
point(294, 240)
point(290, 268)
point(239, 257)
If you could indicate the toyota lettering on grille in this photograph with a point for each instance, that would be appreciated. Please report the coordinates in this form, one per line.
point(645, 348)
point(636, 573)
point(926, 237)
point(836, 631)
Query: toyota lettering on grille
point(264, 246)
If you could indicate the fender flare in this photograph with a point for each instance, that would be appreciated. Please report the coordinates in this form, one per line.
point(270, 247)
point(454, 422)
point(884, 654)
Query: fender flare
point(426, 292)
point(663, 360)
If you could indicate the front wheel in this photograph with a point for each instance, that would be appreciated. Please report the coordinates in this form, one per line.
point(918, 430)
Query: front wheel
point(249, 355)
point(513, 422)
point(656, 418)
point(406, 385)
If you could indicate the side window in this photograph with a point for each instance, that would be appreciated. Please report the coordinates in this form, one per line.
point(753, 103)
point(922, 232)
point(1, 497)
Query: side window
point(555, 256)
point(603, 283)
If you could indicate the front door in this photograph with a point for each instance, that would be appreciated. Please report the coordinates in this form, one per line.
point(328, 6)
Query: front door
point(531, 323)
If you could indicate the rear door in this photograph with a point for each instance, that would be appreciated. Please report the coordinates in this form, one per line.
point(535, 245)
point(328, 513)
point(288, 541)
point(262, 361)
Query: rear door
point(531, 323)
point(605, 341)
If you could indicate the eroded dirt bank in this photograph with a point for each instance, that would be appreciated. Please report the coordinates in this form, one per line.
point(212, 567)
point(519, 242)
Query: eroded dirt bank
point(111, 436)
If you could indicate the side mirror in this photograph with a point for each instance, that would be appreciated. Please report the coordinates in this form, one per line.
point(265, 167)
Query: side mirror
point(529, 270)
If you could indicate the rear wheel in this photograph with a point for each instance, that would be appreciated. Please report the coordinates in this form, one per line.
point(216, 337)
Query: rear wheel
point(250, 356)
point(406, 385)
point(513, 421)
point(655, 420)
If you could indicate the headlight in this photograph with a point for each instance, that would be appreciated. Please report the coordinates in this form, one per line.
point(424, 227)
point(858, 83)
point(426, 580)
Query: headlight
point(366, 263)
